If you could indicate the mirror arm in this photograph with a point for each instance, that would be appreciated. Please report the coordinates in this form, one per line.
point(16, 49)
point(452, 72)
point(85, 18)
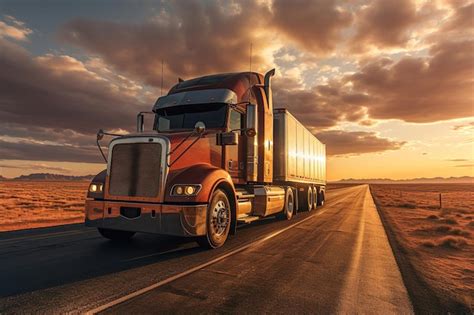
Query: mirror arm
point(100, 149)
point(100, 134)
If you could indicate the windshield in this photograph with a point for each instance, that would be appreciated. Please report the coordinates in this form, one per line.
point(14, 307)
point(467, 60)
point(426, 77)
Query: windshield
point(185, 117)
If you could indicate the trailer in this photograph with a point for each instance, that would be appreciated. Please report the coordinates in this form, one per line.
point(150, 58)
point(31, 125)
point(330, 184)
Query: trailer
point(218, 154)
point(300, 159)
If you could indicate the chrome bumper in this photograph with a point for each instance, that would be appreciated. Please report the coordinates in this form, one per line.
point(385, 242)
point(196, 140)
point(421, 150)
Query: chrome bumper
point(179, 220)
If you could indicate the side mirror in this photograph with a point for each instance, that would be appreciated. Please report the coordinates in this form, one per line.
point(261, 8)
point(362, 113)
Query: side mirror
point(199, 127)
point(227, 138)
point(140, 122)
point(252, 121)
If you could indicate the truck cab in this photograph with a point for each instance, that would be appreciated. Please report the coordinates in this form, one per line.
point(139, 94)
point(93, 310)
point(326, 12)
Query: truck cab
point(206, 165)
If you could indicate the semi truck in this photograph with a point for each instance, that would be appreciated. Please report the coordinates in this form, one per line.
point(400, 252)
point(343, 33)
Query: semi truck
point(218, 155)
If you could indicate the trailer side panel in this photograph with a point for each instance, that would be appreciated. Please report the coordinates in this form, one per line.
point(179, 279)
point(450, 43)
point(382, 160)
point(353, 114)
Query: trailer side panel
point(299, 156)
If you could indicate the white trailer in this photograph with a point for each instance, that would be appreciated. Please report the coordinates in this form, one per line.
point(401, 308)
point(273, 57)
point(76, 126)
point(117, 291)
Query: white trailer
point(299, 157)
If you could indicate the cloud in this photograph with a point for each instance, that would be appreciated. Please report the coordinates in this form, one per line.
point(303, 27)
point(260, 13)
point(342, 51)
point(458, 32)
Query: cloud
point(384, 23)
point(465, 165)
point(314, 25)
point(321, 107)
point(420, 89)
point(466, 126)
point(37, 166)
point(457, 160)
point(27, 150)
point(462, 18)
point(340, 142)
point(60, 93)
point(191, 38)
point(14, 29)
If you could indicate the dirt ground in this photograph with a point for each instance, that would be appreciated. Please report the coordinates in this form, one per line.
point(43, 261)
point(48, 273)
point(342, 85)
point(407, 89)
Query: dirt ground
point(33, 204)
point(436, 241)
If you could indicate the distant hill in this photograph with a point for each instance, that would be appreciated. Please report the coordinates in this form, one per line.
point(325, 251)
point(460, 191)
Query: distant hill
point(422, 180)
point(48, 176)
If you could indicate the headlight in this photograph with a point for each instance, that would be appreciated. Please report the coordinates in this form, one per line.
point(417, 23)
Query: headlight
point(96, 187)
point(185, 190)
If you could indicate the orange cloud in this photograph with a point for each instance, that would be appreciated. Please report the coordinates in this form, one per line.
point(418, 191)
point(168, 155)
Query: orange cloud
point(339, 142)
point(14, 29)
point(420, 89)
point(314, 25)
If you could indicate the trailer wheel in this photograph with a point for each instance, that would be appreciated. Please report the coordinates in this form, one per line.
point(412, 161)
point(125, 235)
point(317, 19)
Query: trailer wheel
point(316, 198)
point(218, 221)
point(321, 198)
point(306, 199)
point(116, 235)
point(289, 207)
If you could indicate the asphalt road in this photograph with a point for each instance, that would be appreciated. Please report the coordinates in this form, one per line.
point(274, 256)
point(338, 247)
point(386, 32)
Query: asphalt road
point(336, 259)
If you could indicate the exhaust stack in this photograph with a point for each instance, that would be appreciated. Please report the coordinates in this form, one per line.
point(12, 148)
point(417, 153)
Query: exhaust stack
point(268, 88)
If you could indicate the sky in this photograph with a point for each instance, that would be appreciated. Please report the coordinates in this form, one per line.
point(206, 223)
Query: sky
point(386, 84)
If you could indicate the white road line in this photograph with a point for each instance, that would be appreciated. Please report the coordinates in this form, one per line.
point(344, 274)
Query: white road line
point(199, 267)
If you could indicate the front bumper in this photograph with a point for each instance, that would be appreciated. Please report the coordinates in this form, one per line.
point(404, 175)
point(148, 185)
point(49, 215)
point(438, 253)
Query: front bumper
point(179, 220)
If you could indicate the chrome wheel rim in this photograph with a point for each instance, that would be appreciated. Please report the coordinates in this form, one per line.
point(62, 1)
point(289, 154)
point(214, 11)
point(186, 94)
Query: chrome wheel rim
point(290, 205)
point(220, 218)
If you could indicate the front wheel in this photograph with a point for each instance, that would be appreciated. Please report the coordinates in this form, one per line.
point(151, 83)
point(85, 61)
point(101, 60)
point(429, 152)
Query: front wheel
point(116, 235)
point(219, 217)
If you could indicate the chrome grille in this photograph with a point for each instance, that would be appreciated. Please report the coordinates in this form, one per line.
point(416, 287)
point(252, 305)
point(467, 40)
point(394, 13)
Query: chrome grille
point(135, 169)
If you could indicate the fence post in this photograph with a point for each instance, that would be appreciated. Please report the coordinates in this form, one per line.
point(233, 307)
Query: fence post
point(440, 201)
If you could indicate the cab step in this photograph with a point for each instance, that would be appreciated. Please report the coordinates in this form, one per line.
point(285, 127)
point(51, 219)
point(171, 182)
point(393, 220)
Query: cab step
point(243, 194)
point(247, 218)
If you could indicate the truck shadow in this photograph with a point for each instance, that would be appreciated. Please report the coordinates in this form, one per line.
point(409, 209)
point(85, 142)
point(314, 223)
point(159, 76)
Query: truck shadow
point(46, 265)
point(37, 263)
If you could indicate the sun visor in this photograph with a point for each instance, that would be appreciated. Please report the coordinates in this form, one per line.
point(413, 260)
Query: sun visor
point(197, 97)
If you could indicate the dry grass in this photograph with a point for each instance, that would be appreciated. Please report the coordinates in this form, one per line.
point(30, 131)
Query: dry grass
point(31, 204)
point(437, 241)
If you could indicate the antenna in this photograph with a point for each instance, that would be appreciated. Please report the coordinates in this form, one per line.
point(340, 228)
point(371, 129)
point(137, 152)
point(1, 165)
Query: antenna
point(250, 66)
point(161, 91)
point(250, 62)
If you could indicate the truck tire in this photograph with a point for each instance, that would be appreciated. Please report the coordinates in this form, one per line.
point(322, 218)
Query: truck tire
point(289, 206)
point(316, 198)
point(306, 199)
point(219, 216)
point(321, 199)
point(116, 235)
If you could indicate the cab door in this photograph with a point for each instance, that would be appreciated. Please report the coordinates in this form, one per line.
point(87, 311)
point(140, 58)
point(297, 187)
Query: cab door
point(234, 155)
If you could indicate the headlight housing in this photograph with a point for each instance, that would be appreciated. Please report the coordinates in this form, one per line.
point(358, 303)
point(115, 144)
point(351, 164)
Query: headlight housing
point(185, 190)
point(96, 187)
point(96, 190)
